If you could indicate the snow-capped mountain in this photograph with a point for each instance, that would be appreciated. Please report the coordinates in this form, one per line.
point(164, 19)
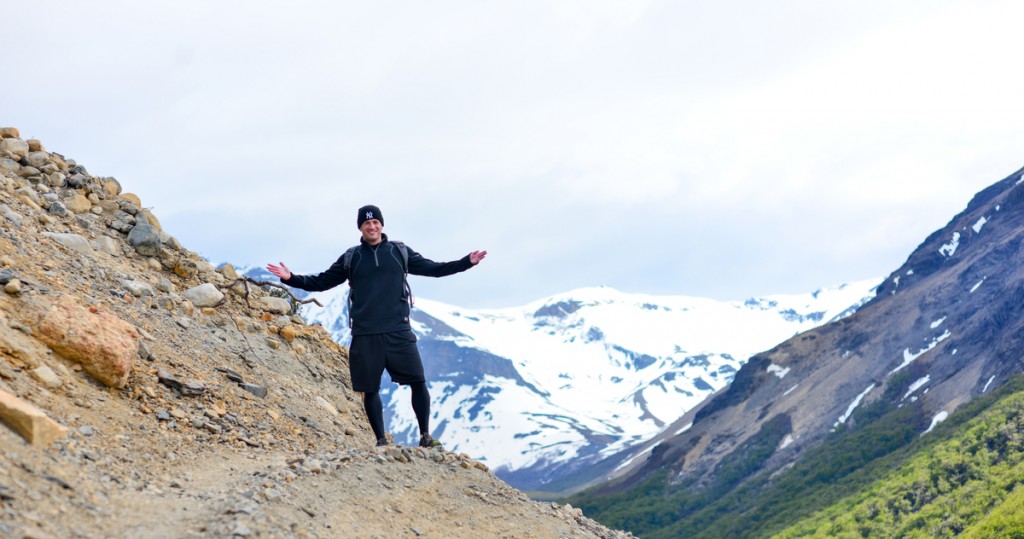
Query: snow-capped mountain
point(545, 392)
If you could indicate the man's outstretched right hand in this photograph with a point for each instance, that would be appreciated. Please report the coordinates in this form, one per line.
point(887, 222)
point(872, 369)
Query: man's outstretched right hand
point(281, 271)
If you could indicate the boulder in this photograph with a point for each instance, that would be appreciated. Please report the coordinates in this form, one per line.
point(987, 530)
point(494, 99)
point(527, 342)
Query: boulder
point(78, 203)
point(35, 145)
point(28, 172)
point(133, 198)
point(58, 208)
point(275, 305)
point(111, 186)
point(37, 159)
point(14, 145)
point(105, 345)
point(150, 218)
point(186, 268)
point(56, 179)
point(145, 239)
point(29, 421)
point(108, 245)
point(204, 295)
point(137, 288)
point(228, 271)
point(71, 241)
point(9, 132)
point(11, 215)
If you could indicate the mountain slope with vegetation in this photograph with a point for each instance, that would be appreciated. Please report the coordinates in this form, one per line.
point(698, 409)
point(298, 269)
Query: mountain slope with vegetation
point(884, 480)
point(828, 413)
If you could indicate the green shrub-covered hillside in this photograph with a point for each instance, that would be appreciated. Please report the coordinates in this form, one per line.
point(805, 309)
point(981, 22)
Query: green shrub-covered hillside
point(880, 479)
point(970, 484)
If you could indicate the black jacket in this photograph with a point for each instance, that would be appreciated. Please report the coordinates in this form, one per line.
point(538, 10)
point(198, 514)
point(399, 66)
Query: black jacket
point(377, 282)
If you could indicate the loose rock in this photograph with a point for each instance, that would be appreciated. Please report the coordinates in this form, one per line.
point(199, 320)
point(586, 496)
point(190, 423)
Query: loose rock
point(145, 239)
point(204, 295)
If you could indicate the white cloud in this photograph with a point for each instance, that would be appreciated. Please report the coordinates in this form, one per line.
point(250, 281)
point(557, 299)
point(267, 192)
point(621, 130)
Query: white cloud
point(724, 149)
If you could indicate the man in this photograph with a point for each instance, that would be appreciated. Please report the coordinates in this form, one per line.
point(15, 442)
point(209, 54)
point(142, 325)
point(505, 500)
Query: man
point(379, 305)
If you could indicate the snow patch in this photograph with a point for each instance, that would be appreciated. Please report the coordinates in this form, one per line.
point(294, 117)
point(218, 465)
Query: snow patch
point(684, 429)
point(778, 371)
point(980, 223)
point(786, 441)
point(938, 322)
point(939, 418)
point(975, 287)
point(984, 389)
point(790, 390)
point(917, 385)
point(950, 248)
point(910, 272)
point(908, 357)
point(853, 406)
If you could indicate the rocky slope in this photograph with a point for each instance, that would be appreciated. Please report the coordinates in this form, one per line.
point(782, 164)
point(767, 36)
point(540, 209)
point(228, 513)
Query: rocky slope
point(147, 394)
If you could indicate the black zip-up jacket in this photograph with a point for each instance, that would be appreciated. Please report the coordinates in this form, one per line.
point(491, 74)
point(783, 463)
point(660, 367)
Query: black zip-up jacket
point(377, 282)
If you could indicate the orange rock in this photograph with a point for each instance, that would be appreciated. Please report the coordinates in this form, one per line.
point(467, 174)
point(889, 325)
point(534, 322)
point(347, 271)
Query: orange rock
point(289, 333)
point(102, 343)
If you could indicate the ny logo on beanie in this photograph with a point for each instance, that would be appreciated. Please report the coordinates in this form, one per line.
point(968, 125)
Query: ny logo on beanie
point(369, 212)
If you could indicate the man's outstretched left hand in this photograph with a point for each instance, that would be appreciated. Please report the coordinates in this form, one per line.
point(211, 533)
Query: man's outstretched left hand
point(476, 256)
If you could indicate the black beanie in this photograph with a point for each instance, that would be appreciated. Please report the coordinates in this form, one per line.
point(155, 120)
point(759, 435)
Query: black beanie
point(369, 212)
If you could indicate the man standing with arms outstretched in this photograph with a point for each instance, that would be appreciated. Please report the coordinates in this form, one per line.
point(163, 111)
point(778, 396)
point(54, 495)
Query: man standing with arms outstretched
point(379, 309)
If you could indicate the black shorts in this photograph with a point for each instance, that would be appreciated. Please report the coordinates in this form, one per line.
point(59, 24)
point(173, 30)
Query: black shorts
point(370, 355)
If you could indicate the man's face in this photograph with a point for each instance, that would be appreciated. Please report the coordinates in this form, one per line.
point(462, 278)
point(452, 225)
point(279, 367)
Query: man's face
point(371, 231)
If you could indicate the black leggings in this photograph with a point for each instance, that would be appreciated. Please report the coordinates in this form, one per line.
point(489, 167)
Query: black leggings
point(420, 405)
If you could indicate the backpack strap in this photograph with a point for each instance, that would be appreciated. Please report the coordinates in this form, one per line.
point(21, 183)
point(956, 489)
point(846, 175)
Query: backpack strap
point(346, 263)
point(347, 260)
point(404, 251)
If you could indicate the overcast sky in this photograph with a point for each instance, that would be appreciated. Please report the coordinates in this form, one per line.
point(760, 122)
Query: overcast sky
point(722, 149)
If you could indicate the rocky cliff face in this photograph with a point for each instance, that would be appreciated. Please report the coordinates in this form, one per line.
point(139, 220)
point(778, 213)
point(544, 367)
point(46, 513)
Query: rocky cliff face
point(944, 328)
point(146, 394)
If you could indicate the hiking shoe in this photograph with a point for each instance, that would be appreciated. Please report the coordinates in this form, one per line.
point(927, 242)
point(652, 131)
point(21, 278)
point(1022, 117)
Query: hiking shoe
point(427, 441)
point(383, 442)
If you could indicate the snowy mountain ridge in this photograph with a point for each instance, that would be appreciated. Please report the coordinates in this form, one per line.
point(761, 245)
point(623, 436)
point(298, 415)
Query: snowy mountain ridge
point(544, 391)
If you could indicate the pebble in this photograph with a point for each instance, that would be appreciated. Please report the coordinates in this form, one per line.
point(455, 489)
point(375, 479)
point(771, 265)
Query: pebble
point(86, 430)
point(13, 286)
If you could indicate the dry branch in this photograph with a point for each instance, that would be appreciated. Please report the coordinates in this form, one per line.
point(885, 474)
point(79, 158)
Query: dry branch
point(247, 280)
